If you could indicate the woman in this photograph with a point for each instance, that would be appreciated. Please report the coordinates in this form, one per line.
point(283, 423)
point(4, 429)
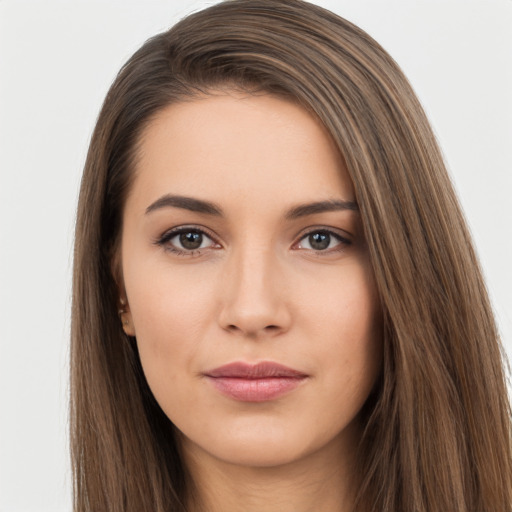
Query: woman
point(276, 301)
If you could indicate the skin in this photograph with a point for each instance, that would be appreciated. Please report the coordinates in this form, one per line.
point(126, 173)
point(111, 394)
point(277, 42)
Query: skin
point(256, 290)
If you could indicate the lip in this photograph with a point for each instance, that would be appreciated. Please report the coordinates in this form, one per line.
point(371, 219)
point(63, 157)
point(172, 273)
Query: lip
point(259, 382)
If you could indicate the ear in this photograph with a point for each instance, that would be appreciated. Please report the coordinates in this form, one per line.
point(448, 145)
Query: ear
point(125, 316)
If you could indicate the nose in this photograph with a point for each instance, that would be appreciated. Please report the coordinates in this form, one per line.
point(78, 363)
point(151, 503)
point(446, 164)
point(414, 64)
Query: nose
point(253, 302)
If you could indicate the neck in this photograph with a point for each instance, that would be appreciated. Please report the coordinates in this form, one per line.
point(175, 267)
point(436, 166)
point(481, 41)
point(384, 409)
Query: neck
point(319, 482)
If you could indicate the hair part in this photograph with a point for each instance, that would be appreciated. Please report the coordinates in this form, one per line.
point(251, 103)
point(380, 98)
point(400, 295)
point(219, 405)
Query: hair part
point(437, 435)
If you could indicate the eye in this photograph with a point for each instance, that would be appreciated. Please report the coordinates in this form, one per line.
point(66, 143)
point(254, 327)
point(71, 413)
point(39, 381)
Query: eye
point(190, 240)
point(186, 240)
point(322, 240)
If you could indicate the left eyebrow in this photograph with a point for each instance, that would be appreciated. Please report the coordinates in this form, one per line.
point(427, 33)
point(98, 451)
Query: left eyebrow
point(332, 205)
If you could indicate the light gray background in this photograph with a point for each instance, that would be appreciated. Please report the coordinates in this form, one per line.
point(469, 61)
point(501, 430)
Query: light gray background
point(57, 60)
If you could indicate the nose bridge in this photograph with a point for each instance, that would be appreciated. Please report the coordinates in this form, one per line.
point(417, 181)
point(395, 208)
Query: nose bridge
point(252, 299)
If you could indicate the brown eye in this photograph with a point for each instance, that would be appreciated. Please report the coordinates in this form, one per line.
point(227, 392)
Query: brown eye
point(191, 240)
point(186, 240)
point(319, 241)
point(323, 240)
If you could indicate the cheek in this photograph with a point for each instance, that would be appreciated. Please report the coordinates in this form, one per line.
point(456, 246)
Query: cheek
point(346, 319)
point(169, 314)
point(344, 306)
point(167, 302)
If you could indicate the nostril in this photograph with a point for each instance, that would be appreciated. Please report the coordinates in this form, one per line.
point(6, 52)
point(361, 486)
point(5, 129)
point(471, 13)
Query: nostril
point(268, 329)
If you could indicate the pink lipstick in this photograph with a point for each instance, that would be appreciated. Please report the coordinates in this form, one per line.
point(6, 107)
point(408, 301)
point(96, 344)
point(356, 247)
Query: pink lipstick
point(255, 382)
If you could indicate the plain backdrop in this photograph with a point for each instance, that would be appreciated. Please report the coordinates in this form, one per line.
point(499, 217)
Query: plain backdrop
point(57, 60)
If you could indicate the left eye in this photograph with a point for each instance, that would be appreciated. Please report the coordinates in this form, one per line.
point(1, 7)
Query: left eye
point(321, 241)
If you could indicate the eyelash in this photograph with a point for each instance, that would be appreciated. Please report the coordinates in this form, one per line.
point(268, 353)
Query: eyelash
point(341, 246)
point(165, 238)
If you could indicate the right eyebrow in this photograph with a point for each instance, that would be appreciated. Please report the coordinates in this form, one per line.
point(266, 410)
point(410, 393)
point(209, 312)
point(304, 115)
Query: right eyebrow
point(186, 203)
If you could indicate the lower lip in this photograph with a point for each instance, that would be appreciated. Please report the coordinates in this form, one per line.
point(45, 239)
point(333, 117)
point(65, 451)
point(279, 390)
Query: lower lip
point(255, 390)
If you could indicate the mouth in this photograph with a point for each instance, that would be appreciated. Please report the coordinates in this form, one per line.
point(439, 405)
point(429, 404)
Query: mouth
point(259, 382)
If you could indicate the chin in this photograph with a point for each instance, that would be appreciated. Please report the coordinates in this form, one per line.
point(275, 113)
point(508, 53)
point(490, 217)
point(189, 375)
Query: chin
point(261, 446)
point(257, 454)
point(261, 455)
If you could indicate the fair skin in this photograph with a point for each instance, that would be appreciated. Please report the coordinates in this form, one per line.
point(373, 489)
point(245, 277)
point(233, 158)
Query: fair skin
point(246, 273)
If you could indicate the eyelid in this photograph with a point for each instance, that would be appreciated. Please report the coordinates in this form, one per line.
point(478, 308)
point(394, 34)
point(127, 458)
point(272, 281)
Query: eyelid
point(344, 239)
point(164, 239)
point(338, 232)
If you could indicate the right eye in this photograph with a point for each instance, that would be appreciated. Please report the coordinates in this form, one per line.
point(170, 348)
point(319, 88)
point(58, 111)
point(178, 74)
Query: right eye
point(186, 241)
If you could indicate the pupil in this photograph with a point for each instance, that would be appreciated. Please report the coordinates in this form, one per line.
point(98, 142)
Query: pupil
point(191, 240)
point(319, 241)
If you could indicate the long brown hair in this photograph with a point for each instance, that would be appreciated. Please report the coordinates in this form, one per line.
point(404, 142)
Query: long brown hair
point(437, 431)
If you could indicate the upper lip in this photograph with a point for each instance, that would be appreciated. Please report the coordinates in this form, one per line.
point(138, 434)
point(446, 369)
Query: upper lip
point(265, 369)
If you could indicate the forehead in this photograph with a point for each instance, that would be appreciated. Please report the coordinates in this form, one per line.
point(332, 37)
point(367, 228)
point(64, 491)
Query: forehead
point(229, 146)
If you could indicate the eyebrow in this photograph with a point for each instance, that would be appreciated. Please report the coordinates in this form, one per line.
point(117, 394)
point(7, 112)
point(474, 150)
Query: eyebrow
point(303, 210)
point(209, 208)
point(186, 203)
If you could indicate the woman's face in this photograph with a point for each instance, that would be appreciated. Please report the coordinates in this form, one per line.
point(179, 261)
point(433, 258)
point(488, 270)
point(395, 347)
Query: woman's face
point(247, 280)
